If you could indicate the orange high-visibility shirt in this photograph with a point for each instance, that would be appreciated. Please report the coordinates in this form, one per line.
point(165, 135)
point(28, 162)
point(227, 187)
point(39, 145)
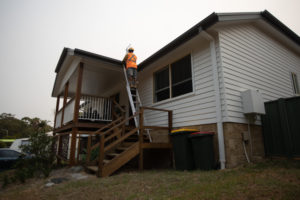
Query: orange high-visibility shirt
point(131, 61)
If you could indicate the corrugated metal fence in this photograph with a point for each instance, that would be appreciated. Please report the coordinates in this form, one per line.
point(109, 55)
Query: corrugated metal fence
point(281, 127)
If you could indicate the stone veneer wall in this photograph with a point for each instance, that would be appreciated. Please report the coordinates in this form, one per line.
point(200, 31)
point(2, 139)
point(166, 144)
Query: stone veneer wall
point(234, 150)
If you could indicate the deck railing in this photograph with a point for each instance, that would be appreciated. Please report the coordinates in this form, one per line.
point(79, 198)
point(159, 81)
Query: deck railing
point(90, 108)
point(95, 108)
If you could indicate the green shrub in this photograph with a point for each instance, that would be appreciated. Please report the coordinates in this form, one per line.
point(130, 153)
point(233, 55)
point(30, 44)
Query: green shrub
point(41, 161)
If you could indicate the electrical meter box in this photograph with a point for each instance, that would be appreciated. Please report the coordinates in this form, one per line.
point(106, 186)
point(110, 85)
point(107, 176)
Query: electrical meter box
point(253, 102)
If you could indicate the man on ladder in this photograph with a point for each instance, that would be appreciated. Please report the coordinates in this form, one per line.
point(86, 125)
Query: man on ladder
point(131, 67)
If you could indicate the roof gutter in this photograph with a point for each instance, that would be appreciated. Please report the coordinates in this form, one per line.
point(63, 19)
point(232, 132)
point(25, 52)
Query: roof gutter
point(211, 20)
point(192, 32)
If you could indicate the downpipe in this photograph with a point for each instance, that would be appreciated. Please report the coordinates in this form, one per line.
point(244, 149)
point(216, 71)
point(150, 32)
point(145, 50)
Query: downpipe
point(218, 99)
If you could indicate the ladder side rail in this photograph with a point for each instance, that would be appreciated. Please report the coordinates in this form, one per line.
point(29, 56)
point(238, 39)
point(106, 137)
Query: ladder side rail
point(130, 96)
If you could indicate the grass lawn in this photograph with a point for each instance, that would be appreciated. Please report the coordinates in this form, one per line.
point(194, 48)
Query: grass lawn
point(268, 180)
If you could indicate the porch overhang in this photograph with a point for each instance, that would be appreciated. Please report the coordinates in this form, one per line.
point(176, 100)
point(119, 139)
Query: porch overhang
point(102, 75)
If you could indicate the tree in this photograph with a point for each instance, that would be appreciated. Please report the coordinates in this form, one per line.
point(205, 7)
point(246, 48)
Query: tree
point(11, 127)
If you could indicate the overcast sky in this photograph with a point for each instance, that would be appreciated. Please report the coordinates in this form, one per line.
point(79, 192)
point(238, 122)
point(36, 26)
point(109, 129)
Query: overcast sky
point(34, 32)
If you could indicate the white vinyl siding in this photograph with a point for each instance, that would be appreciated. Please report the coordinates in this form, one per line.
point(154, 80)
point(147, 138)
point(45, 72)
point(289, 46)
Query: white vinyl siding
point(253, 60)
point(189, 109)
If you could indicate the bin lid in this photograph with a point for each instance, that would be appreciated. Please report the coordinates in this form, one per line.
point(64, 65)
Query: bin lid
point(182, 131)
point(185, 130)
point(200, 134)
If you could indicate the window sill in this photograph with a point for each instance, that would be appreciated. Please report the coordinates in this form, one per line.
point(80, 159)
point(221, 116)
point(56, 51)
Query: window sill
point(173, 99)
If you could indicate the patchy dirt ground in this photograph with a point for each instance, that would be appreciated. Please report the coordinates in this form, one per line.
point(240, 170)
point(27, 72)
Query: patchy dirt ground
point(268, 180)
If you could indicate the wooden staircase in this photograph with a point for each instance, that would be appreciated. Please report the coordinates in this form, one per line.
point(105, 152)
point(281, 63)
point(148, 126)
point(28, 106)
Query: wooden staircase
point(118, 144)
point(113, 161)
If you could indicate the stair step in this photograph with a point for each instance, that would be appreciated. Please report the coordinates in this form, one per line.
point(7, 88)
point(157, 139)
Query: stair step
point(122, 148)
point(113, 154)
point(106, 161)
point(92, 168)
point(127, 144)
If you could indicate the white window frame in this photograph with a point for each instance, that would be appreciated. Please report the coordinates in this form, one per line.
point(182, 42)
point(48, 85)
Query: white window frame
point(170, 82)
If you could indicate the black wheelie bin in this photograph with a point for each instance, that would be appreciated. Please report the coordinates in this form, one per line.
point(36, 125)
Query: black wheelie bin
point(203, 150)
point(182, 148)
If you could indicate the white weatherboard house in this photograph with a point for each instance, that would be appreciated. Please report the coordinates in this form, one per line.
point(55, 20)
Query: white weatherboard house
point(195, 81)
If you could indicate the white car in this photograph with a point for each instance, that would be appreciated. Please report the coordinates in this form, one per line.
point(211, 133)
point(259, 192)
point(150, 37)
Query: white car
point(16, 145)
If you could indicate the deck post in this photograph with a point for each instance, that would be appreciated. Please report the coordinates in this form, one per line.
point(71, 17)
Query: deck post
point(170, 127)
point(76, 114)
point(56, 110)
point(78, 148)
point(101, 157)
point(59, 149)
point(64, 103)
point(62, 119)
point(141, 139)
point(88, 157)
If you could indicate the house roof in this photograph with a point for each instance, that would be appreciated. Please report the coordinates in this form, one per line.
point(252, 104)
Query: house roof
point(213, 19)
point(82, 53)
point(189, 34)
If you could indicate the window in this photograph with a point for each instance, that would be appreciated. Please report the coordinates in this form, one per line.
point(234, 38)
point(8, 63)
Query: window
point(295, 83)
point(174, 80)
point(162, 84)
point(181, 77)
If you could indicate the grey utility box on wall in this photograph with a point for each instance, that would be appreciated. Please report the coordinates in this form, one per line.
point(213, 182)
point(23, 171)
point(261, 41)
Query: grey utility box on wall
point(253, 102)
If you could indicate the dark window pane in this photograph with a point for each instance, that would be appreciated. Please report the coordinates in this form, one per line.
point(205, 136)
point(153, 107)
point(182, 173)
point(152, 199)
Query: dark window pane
point(182, 76)
point(162, 95)
point(162, 85)
point(182, 88)
point(181, 70)
point(162, 79)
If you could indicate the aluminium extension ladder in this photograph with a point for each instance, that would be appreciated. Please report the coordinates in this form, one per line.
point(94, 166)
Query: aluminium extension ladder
point(135, 101)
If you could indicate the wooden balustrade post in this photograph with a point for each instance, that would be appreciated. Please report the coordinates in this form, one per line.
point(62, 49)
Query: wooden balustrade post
point(101, 156)
point(141, 138)
point(88, 157)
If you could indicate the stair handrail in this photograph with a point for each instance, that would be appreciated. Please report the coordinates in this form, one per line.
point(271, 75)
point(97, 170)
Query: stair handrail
point(118, 105)
point(98, 132)
point(119, 124)
point(104, 149)
point(107, 126)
